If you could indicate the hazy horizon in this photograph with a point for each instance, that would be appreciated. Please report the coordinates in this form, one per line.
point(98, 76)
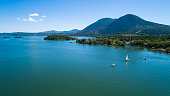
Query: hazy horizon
point(63, 15)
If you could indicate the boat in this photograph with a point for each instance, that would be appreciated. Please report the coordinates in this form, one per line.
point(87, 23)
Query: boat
point(127, 59)
point(145, 58)
point(113, 65)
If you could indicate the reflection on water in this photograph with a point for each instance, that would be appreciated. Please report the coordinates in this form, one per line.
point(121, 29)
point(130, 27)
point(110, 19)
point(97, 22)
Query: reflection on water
point(126, 63)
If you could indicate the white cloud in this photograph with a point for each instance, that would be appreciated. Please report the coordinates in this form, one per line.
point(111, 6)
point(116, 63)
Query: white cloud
point(34, 14)
point(18, 18)
point(24, 20)
point(41, 20)
point(44, 16)
point(31, 19)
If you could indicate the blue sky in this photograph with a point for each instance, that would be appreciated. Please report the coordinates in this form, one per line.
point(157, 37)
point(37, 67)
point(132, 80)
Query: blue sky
point(42, 15)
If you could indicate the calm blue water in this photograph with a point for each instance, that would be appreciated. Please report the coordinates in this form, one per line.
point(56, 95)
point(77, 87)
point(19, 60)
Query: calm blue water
point(31, 66)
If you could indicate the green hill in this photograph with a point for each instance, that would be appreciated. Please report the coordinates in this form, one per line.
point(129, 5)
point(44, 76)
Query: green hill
point(94, 29)
point(126, 24)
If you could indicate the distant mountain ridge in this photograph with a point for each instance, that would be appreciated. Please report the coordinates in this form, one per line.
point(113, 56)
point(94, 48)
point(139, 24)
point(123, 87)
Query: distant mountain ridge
point(45, 33)
point(126, 24)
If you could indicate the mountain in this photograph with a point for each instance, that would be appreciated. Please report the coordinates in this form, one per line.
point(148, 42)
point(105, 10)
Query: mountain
point(51, 31)
point(134, 24)
point(45, 33)
point(128, 24)
point(99, 25)
point(74, 30)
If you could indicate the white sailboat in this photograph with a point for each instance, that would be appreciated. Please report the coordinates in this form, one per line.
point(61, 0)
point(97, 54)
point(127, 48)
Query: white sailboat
point(127, 59)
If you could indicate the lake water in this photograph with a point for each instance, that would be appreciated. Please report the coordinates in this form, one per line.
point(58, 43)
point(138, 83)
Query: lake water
point(31, 66)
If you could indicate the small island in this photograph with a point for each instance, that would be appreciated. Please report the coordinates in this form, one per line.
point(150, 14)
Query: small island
point(6, 37)
point(18, 37)
point(59, 38)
